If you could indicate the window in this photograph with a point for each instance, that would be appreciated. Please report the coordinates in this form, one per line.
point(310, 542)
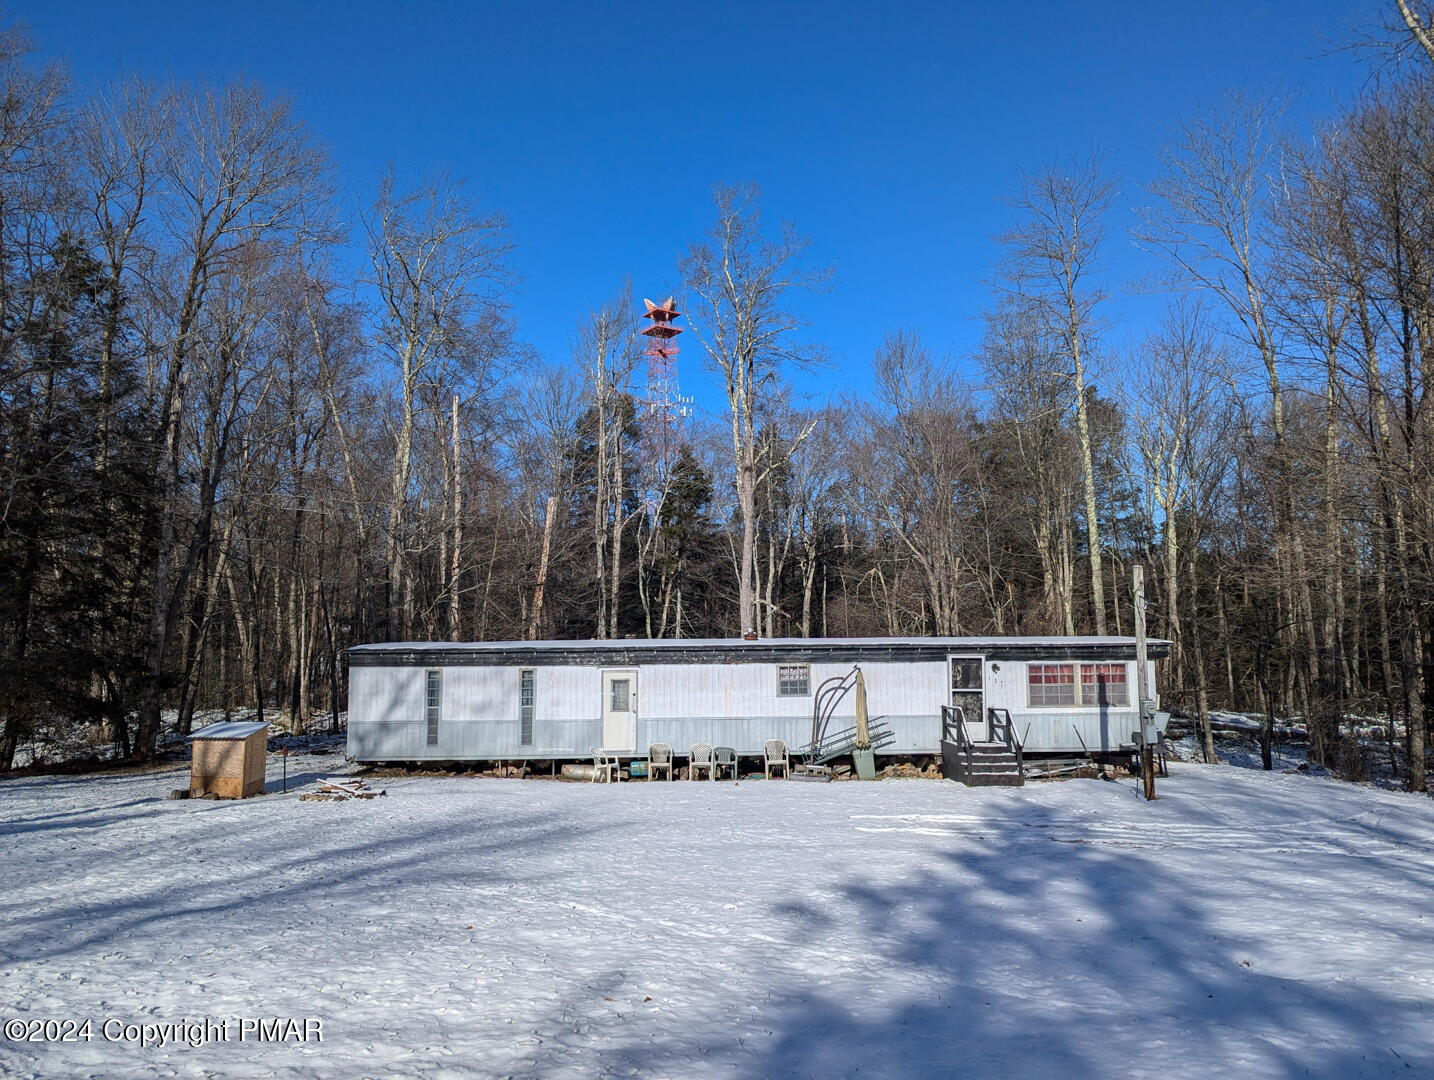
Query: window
point(794, 680)
point(434, 705)
point(1104, 684)
point(619, 699)
point(965, 673)
point(1056, 684)
point(1051, 684)
point(526, 702)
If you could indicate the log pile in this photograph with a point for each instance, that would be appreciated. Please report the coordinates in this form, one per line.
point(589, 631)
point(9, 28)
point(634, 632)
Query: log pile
point(905, 770)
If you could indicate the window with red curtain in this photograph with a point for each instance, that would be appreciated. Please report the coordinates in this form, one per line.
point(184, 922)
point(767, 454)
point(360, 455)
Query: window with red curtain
point(1050, 684)
point(1103, 684)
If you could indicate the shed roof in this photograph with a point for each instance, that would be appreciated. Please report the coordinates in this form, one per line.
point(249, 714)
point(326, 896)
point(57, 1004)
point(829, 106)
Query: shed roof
point(230, 729)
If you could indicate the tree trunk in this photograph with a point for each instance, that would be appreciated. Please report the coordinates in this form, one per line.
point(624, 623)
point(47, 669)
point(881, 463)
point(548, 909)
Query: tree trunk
point(395, 621)
point(537, 614)
point(746, 566)
point(1267, 727)
point(1418, 29)
point(601, 505)
point(1228, 646)
point(809, 573)
point(618, 521)
point(1412, 654)
point(1066, 579)
point(1172, 594)
point(1092, 521)
point(1202, 691)
point(146, 735)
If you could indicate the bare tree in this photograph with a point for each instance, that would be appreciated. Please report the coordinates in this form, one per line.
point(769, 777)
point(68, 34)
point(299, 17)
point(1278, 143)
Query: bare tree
point(1181, 438)
point(238, 168)
point(438, 269)
point(1211, 222)
point(1052, 257)
point(917, 467)
point(816, 498)
point(1209, 219)
point(1387, 147)
point(119, 136)
point(545, 436)
point(1029, 385)
point(1318, 303)
point(741, 279)
point(1418, 25)
point(606, 351)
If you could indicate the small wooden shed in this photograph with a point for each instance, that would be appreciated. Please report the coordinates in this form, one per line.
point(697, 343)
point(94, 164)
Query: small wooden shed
point(228, 760)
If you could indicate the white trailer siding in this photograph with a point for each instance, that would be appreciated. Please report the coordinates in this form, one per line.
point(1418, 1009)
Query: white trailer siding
point(1004, 683)
point(480, 713)
point(697, 691)
point(386, 719)
point(725, 704)
point(1061, 728)
point(733, 704)
point(745, 690)
point(1048, 730)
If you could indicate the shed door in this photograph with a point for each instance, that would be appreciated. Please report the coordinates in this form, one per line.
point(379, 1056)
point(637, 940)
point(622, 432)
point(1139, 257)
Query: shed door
point(968, 694)
point(619, 710)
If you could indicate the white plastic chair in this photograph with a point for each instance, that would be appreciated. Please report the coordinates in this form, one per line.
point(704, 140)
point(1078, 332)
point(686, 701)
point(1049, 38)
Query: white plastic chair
point(659, 756)
point(701, 755)
point(724, 757)
point(774, 753)
point(604, 765)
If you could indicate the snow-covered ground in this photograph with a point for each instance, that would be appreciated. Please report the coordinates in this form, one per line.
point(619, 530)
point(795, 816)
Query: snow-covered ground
point(59, 741)
point(1246, 924)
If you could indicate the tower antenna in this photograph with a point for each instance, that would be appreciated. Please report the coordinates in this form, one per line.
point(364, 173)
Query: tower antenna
point(663, 407)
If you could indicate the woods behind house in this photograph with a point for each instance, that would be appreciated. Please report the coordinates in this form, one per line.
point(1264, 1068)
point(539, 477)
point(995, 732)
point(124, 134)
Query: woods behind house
point(248, 420)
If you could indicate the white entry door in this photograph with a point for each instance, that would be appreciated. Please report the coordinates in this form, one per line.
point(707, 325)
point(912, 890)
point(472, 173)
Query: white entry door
point(619, 710)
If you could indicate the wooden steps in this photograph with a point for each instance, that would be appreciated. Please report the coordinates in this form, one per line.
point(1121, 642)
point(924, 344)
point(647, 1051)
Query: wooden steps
point(987, 765)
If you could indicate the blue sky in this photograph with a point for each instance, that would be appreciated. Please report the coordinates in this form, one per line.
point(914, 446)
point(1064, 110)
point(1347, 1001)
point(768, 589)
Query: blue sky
point(889, 133)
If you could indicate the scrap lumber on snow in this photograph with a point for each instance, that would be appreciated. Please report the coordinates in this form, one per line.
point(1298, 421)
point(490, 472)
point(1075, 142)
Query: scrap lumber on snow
point(340, 789)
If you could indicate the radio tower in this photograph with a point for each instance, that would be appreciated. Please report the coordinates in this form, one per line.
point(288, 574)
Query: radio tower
point(665, 408)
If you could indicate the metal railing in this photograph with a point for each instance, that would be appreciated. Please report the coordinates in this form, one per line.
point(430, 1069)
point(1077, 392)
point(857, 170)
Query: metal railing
point(1003, 729)
point(844, 741)
point(824, 702)
point(824, 746)
point(953, 730)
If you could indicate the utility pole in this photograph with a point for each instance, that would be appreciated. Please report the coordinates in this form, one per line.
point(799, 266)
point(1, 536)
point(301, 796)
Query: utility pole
point(1143, 737)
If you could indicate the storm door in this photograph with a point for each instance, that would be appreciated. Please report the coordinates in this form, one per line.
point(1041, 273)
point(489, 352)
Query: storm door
point(968, 696)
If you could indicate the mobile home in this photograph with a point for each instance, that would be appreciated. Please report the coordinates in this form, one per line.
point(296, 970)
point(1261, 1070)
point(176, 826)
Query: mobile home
point(556, 700)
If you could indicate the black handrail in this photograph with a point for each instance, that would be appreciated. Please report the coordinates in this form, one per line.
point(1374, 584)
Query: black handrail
point(1001, 721)
point(953, 719)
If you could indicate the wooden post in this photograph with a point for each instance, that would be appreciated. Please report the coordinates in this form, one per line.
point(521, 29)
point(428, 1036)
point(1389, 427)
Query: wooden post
point(1147, 749)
